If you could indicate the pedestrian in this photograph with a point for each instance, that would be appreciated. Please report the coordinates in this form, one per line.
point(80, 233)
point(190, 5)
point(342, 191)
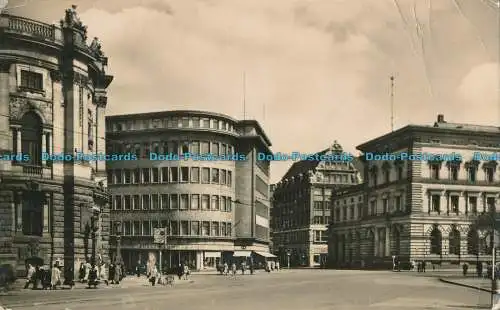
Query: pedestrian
point(233, 269)
point(55, 279)
point(118, 274)
point(138, 269)
point(180, 271)
point(423, 266)
point(153, 275)
point(111, 273)
point(81, 272)
point(186, 271)
point(243, 267)
point(30, 276)
point(277, 266)
point(226, 269)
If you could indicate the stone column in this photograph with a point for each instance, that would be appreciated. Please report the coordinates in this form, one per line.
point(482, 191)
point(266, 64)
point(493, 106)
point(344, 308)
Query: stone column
point(19, 212)
point(376, 243)
point(387, 241)
point(5, 132)
point(429, 205)
point(46, 213)
point(19, 141)
point(44, 147)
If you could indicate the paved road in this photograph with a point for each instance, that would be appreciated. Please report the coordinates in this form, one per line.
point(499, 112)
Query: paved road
point(296, 289)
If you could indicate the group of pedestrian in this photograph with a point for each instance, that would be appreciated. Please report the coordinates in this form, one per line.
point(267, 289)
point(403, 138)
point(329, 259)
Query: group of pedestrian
point(43, 277)
point(272, 266)
point(419, 266)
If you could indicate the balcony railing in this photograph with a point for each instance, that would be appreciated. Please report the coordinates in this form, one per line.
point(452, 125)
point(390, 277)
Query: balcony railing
point(32, 170)
point(28, 27)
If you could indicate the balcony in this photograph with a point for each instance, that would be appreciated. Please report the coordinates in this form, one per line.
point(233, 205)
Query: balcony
point(29, 27)
point(32, 170)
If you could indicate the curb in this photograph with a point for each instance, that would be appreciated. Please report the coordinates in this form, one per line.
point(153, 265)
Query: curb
point(465, 285)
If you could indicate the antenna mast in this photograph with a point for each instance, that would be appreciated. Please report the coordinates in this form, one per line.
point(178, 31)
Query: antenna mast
point(244, 96)
point(392, 102)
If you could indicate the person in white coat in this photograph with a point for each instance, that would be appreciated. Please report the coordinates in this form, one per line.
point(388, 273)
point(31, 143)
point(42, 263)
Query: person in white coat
point(30, 276)
point(55, 278)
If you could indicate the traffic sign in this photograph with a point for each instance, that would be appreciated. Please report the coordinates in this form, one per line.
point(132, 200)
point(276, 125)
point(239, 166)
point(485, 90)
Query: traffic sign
point(160, 235)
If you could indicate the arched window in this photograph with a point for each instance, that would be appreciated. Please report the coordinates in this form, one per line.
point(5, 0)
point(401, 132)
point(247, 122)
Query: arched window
point(454, 242)
point(31, 138)
point(436, 241)
point(473, 242)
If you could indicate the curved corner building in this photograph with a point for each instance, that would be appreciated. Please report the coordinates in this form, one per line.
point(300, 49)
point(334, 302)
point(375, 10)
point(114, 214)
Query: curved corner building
point(212, 210)
point(52, 100)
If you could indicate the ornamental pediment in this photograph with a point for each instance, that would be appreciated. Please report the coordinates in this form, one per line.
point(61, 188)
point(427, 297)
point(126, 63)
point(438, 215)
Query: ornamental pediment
point(19, 106)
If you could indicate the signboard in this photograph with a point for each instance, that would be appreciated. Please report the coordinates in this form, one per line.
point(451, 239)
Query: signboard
point(160, 235)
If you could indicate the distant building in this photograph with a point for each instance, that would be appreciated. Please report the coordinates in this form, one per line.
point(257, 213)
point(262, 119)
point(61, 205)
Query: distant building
point(272, 187)
point(52, 100)
point(213, 210)
point(431, 209)
point(301, 206)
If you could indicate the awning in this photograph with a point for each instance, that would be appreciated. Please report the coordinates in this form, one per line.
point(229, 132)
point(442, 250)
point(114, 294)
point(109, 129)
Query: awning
point(242, 253)
point(212, 254)
point(264, 254)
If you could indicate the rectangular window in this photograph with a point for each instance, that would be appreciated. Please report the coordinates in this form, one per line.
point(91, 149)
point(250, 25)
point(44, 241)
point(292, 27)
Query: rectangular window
point(387, 176)
point(454, 204)
point(436, 203)
point(165, 203)
point(215, 203)
point(146, 177)
point(215, 176)
point(195, 147)
point(473, 205)
point(205, 229)
point(164, 174)
point(215, 229)
point(118, 177)
point(137, 202)
point(156, 147)
point(173, 147)
point(145, 202)
point(215, 148)
point(215, 124)
point(174, 174)
point(373, 207)
point(205, 123)
point(195, 202)
point(127, 228)
point(118, 202)
point(128, 176)
point(229, 230)
point(184, 174)
point(184, 147)
point(137, 176)
point(185, 122)
point(155, 175)
point(184, 202)
point(195, 175)
point(223, 229)
point(146, 228)
point(229, 178)
point(195, 228)
point(490, 203)
point(223, 149)
point(397, 202)
point(31, 80)
point(184, 228)
point(155, 202)
point(127, 202)
point(454, 172)
point(472, 174)
point(205, 175)
point(490, 174)
point(204, 148)
point(146, 149)
point(137, 229)
point(174, 228)
point(196, 122)
point(174, 202)
point(223, 203)
point(205, 202)
point(435, 168)
point(385, 205)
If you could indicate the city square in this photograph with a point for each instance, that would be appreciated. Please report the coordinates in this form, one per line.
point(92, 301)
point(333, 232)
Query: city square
point(304, 289)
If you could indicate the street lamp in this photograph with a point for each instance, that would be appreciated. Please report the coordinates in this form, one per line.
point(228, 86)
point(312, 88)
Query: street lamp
point(118, 233)
point(94, 228)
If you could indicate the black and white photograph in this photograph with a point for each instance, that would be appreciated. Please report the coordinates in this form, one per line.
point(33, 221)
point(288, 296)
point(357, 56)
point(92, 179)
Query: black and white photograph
point(249, 154)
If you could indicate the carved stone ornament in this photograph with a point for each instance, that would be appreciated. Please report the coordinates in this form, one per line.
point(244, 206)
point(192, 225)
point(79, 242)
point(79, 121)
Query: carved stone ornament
point(463, 229)
point(96, 48)
point(72, 20)
point(33, 248)
point(80, 79)
point(56, 75)
point(428, 228)
point(369, 233)
point(19, 106)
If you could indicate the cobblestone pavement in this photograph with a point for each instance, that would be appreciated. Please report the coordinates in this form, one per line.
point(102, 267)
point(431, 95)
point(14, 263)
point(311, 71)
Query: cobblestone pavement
point(288, 289)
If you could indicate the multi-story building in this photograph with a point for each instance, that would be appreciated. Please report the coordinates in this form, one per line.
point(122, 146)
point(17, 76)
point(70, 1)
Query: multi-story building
point(52, 101)
point(422, 207)
point(212, 209)
point(301, 205)
point(272, 187)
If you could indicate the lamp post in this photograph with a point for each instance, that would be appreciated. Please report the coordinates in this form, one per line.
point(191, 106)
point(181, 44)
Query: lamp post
point(288, 259)
point(94, 228)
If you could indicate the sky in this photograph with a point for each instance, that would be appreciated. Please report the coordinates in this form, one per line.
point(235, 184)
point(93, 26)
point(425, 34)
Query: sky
point(316, 71)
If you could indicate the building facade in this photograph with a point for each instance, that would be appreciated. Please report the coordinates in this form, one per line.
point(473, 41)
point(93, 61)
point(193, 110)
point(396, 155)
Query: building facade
point(52, 101)
point(272, 249)
point(213, 210)
point(432, 209)
point(301, 206)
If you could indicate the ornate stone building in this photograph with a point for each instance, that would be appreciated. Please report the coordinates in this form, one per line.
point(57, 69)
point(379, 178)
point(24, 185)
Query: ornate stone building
point(212, 210)
point(439, 210)
point(52, 100)
point(301, 206)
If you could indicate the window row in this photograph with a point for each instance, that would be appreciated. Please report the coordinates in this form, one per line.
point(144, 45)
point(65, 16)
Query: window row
point(177, 228)
point(453, 204)
point(348, 213)
point(175, 122)
point(320, 236)
point(388, 205)
point(472, 170)
point(173, 202)
point(170, 175)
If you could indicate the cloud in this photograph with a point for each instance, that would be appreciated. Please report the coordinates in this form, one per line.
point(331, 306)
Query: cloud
point(316, 71)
